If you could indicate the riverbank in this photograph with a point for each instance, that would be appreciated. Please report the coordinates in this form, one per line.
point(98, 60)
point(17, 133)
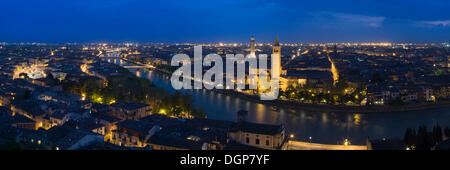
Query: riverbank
point(322, 126)
point(327, 107)
point(334, 108)
point(322, 107)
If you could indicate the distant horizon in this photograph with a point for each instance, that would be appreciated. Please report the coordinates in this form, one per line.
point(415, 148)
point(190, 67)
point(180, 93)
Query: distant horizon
point(225, 43)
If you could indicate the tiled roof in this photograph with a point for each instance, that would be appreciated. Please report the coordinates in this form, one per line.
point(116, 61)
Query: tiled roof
point(257, 128)
point(31, 107)
point(138, 126)
point(129, 106)
point(175, 141)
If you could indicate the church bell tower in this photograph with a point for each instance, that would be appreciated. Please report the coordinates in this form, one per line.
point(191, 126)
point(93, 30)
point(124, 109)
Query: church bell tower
point(276, 51)
point(252, 47)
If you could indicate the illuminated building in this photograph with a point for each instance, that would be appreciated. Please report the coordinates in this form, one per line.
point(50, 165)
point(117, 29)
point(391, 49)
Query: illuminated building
point(252, 47)
point(272, 137)
point(130, 110)
point(276, 51)
point(132, 133)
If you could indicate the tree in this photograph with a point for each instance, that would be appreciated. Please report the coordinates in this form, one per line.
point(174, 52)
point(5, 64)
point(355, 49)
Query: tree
point(424, 141)
point(437, 134)
point(11, 145)
point(199, 113)
point(447, 132)
point(127, 88)
point(179, 105)
point(24, 75)
point(410, 137)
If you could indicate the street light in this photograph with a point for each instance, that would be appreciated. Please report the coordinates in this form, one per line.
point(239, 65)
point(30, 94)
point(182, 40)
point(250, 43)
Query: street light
point(346, 142)
point(162, 111)
point(290, 142)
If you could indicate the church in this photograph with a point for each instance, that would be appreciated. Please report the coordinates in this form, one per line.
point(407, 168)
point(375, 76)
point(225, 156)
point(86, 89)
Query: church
point(276, 52)
point(296, 71)
point(285, 80)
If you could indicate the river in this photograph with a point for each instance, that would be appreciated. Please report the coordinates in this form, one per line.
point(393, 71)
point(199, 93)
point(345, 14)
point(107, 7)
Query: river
point(309, 126)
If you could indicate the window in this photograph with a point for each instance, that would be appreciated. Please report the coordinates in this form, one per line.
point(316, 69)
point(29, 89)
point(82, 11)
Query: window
point(257, 141)
point(267, 142)
point(247, 140)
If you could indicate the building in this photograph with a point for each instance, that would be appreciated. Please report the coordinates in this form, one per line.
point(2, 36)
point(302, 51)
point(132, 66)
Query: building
point(172, 142)
point(443, 92)
point(108, 122)
point(30, 109)
point(132, 133)
point(18, 121)
point(276, 52)
point(191, 134)
point(133, 111)
point(303, 68)
point(272, 137)
point(77, 139)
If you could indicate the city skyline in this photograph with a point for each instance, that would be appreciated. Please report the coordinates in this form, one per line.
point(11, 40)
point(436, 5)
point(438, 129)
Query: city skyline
point(225, 21)
point(224, 75)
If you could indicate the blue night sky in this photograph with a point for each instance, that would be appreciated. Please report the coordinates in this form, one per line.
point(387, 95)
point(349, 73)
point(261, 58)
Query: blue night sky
point(60, 21)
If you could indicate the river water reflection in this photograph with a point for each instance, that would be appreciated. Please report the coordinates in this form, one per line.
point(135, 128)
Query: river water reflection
point(322, 127)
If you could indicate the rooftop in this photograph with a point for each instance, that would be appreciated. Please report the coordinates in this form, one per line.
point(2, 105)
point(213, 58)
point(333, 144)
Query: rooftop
point(174, 141)
point(129, 106)
point(257, 128)
point(138, 126)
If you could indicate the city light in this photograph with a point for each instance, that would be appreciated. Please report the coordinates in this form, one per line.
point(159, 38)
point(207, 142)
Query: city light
point(166, 86)
point(83, 96)
point(346, 142)
point(112, 101)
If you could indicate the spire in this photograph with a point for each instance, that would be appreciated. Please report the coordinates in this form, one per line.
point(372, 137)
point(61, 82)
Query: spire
point(276, 42)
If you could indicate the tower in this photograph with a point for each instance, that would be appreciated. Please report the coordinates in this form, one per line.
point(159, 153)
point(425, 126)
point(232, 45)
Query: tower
point(276, 52)
point(252, 47)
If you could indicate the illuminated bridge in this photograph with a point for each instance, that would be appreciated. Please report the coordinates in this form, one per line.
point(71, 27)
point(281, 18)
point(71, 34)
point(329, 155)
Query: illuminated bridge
point(140, 66)
point(121, 61)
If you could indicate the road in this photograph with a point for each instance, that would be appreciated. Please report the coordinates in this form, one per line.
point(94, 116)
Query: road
point(295, 145)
